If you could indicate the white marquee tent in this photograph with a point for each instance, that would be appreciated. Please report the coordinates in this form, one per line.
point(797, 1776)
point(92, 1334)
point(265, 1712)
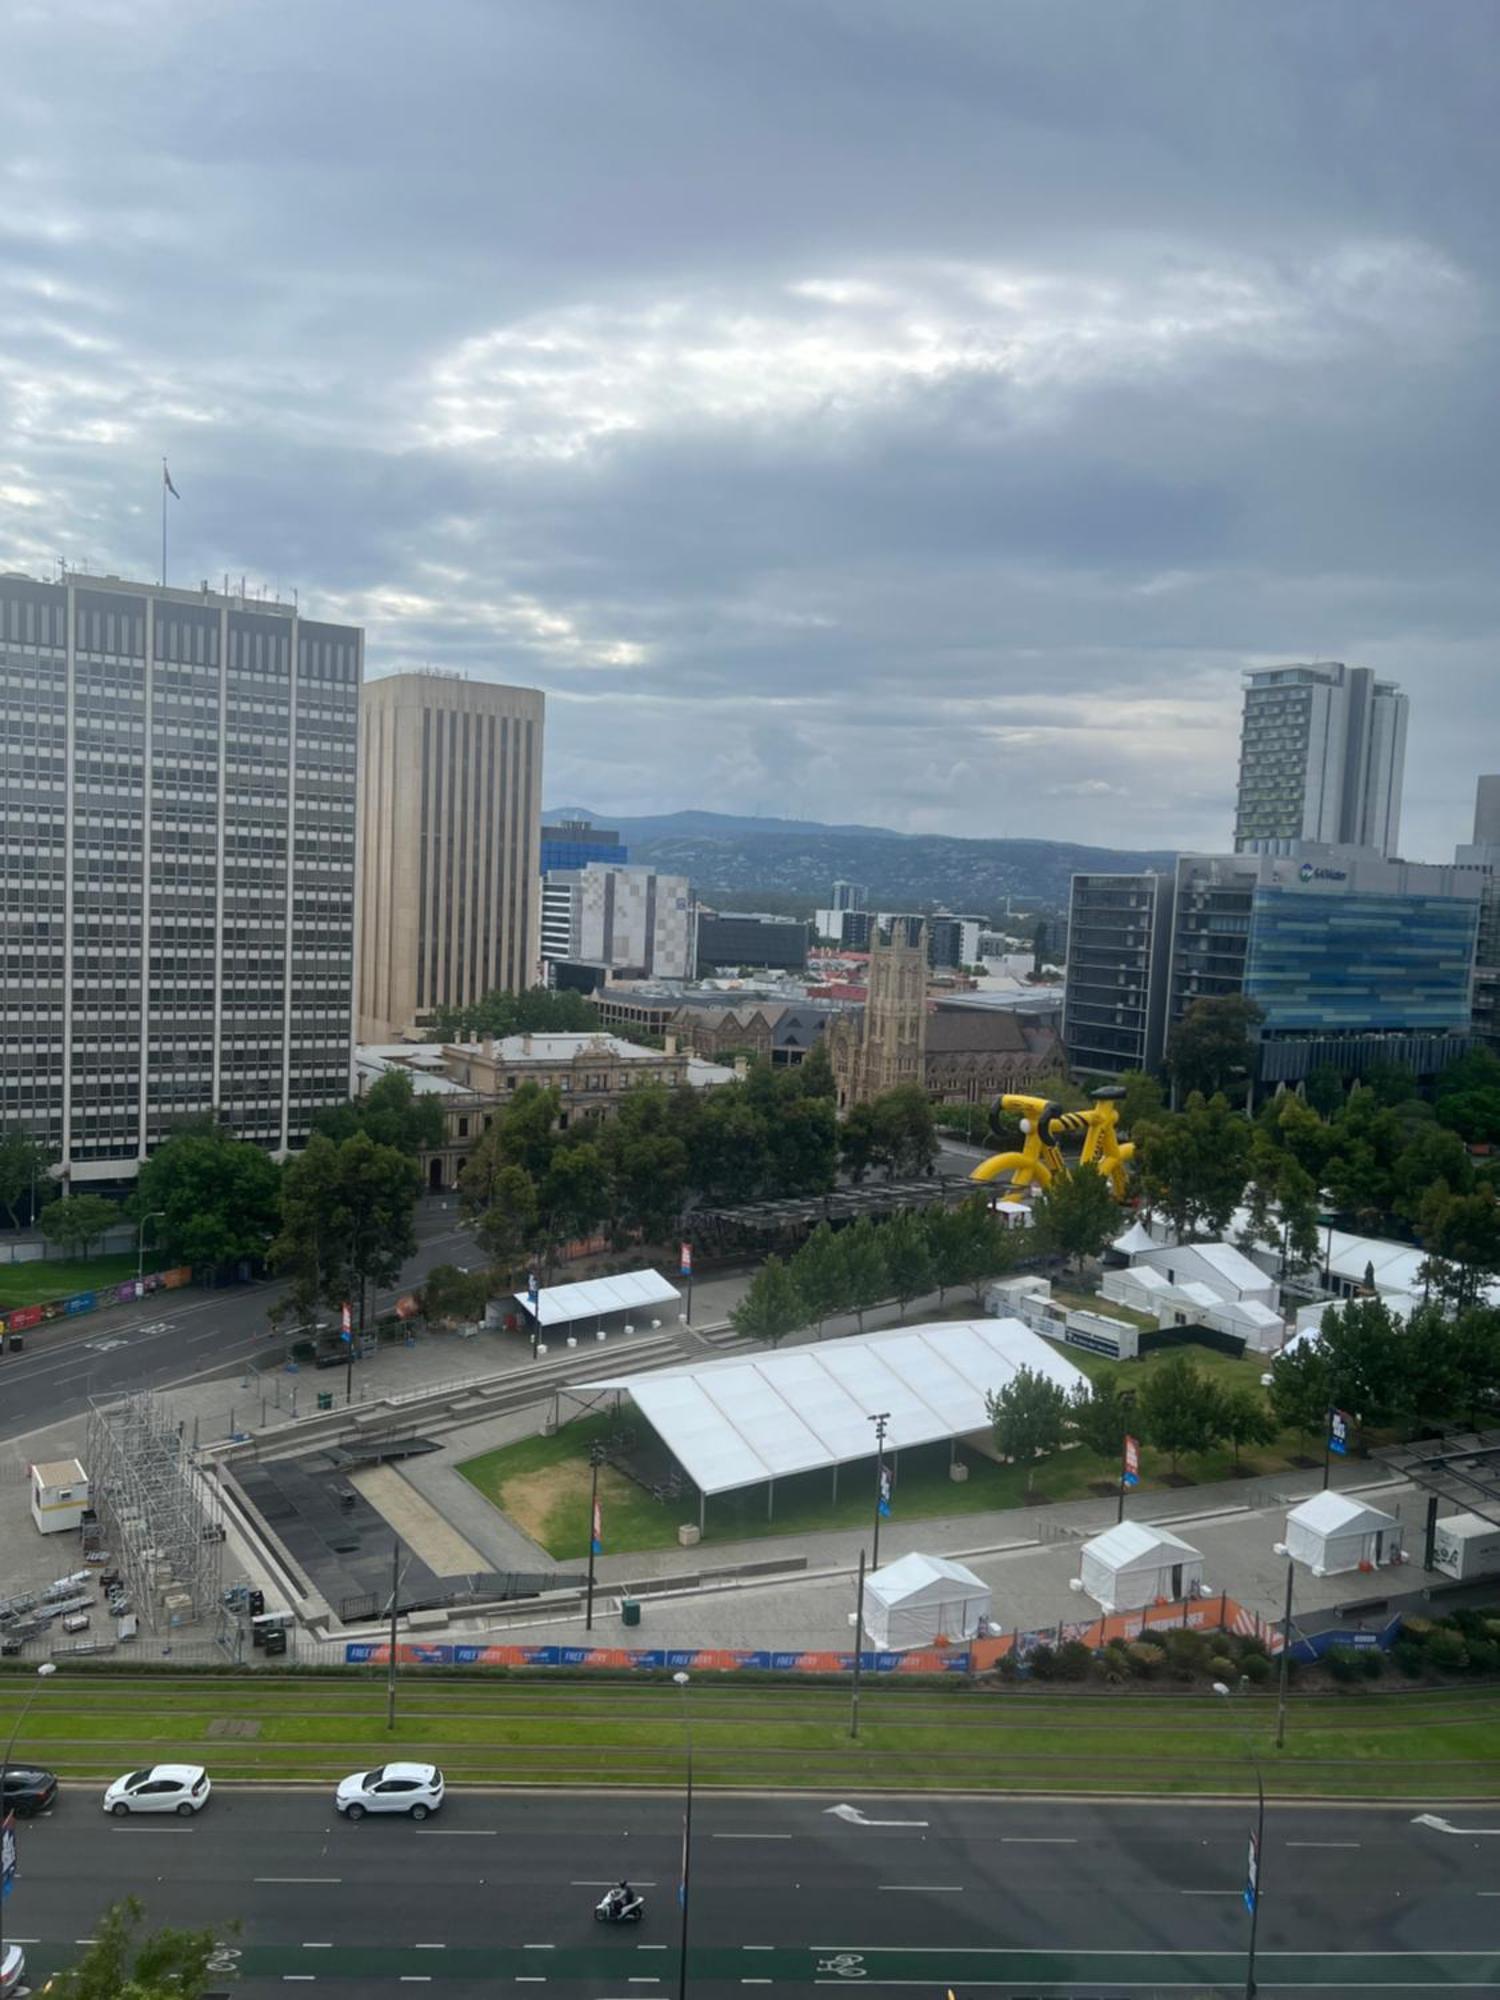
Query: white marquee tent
point(919, 1599)
point(1333, 1532)
point(1134, 1564)
point(757, 1417)
point(597, 1298)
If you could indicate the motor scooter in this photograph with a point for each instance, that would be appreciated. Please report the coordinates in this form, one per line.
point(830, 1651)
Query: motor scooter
point(614, 1907)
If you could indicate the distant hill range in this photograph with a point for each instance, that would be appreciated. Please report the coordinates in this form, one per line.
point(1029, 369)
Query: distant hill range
point(788, 861)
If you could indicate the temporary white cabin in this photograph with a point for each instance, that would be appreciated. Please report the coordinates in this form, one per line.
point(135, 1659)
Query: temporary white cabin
point(919, 1599)
point(59, 1495)
point(1332, 1532)
point(1466, 1545)
point(1133, 1565)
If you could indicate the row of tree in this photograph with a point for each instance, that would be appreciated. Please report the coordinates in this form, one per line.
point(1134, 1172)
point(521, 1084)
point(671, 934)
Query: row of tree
point(851, 1269)
point(1179, 1409)
point(1390, 1374)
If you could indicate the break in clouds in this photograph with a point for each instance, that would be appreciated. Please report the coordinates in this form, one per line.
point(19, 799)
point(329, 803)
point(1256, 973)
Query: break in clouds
point(913, 414)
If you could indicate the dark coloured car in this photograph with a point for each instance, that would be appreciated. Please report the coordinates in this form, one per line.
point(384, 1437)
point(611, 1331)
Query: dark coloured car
point(29, 1789)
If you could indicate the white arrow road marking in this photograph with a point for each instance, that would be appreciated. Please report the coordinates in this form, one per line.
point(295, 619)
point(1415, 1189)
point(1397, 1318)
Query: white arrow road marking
point(1447, 1826)
point(856, 1818)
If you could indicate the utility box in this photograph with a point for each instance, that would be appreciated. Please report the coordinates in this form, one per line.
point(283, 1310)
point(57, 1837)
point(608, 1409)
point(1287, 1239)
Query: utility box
point(1466, 1546)
point(59, 1495)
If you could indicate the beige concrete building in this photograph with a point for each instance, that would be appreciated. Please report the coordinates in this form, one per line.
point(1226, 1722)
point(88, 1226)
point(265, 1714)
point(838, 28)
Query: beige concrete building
point(449, 834)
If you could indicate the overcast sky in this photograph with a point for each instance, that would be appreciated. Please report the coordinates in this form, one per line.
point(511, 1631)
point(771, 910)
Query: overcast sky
point(897, 410)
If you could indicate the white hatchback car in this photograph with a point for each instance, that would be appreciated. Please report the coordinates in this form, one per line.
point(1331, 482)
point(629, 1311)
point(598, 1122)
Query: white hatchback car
point(178, 1788)
point(414, 1789)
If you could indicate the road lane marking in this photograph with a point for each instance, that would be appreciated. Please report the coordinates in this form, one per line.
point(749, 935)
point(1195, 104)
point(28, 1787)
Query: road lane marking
point(1322, 1843)
point(530, 1979)
point(460, 1832)
point(641, 1883)
point(318, 1945)
point(1440, 1825)
point(924, 1888)
point(751, 1836)
point(334, 1879)
point(539, 1947)
point(752, 1947)
point(1211, 1892)
point(1037, 1840)
point(429, 1947)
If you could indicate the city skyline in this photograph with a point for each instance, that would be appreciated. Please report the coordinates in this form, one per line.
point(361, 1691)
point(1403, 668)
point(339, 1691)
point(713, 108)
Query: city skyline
point(922, 426)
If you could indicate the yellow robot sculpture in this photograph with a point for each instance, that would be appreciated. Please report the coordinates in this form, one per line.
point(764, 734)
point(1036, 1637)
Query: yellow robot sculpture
point(1045, 1125)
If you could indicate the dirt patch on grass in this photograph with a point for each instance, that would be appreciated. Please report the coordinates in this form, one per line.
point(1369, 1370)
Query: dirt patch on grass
point(538, 1501)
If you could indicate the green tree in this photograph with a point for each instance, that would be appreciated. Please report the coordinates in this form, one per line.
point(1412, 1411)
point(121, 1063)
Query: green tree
point(118, 1964)
point(392, 1111)
point(1282, 1197)
point(1393, 1083)
point(1212, 1047)
point(818, 1272)
point(76, 1222)
point(502, 1206)
point(1077, 1217)
point(1324, 1091)
point(1468, 1097)
point(573, 1198)
point(866, 1280)
point(1193, 1167)
point(905, 1136)
point(216, 1199)
point(24, 1176)
point(1029, 1415)
point(346, 1221)
point(451, 1293)
point(1369, 1371)
point(1245, 1419)
point(1180, 1408)
point(648, 1184)
point(814, 1074)
point(858, 1142)
point(1143, 1101)
point(1301, 1389)
point(1470, 1364)
point(771, 1308)
point(908, 1256)
point(538, 1011)
point(1461, 1235)
point(970, 1246)
point(1101, 1416)
point(1431, 1154)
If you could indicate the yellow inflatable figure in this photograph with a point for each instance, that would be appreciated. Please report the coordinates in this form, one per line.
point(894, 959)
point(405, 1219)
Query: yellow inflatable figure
point(1040, 1159)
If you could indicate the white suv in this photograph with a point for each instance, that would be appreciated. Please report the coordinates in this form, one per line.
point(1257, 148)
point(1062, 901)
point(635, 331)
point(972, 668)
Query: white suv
point(414, 1789)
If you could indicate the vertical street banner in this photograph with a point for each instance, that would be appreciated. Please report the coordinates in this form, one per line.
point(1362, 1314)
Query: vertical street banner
point(598, 1530)
point(7, 1855)
point(1252, 1875)
point(885, 1490)
point(346, 1323)
point(685, 1263)
point(533, 1293)
point(1338, 1432)
point(1130, 1472)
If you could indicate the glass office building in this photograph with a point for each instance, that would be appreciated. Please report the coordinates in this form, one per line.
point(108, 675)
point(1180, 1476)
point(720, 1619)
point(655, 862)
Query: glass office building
point(1326, 964)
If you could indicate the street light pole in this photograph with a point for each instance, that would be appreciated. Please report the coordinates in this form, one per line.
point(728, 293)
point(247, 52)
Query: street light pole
point(140, 1245)
point(1286, 1647)
point(880, 1420)
point(1254, 1876)
point(687, 1840)
point(596, 1459)
point(390, 1672)
point(859, 1640)
point(44, 1672)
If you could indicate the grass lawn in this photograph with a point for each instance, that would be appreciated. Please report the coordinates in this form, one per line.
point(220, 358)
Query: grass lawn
point(1091, 1302)
point(1430, 1743)
point(55, 1278)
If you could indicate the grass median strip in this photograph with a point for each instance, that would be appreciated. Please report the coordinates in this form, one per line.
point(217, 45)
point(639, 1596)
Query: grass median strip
point(616, 1734)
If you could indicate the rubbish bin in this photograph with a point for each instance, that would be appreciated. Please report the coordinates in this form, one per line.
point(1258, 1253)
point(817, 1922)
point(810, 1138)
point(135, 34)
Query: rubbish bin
point(630, 1611)
point(325, 1399)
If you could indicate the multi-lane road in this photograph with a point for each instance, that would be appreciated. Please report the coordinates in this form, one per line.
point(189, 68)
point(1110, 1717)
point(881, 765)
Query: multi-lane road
point(1007, 1898)
point(170, 1336)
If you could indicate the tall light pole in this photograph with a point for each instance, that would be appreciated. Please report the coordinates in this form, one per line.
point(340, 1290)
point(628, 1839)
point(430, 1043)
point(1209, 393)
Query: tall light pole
point(596, 1459)
point(882, 1492)
point(687, 1840)
point(1286, 1645)
point(44, 1673)
point(140, 1244)
point(1257, 1848)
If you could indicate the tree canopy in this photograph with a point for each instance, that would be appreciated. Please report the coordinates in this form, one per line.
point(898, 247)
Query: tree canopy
point(392, 1111)
point(540, 1010)
point(1211, 1048)
point(120, 1964)
point(216, 1199)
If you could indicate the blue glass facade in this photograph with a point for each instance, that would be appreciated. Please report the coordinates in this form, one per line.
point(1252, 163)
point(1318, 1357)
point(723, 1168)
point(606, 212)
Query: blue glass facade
point(574, 852)
point(1360, 962)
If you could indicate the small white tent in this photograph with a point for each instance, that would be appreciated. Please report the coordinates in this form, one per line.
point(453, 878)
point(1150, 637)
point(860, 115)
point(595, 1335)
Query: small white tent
point(1331, 1532)
point(1133, 1565)
point(919, 1599)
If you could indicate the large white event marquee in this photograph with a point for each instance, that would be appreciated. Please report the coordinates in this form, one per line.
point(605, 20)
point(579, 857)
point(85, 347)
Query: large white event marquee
point(595, 1298)
point(749, 1418)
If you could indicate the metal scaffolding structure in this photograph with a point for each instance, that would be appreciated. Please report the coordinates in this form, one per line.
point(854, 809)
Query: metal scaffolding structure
point(161, 1514)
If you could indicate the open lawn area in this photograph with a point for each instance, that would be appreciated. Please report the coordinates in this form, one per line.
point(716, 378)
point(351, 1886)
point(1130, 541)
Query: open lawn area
point(542, 1483)
point(58, 1278)
point(1422, 1744)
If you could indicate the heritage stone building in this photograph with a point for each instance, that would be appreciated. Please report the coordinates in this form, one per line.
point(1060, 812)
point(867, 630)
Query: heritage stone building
point(884, 1045)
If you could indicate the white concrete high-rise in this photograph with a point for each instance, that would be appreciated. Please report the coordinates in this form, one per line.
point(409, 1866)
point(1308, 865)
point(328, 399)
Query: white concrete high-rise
point(1322, 753)
point(177, 866)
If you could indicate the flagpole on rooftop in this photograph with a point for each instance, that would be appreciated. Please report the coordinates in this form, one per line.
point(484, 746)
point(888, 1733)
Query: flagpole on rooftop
point(164, 524)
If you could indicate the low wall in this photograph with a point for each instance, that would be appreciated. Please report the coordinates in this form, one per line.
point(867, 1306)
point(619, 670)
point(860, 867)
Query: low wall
point(927, 1660)
point(20, 1318)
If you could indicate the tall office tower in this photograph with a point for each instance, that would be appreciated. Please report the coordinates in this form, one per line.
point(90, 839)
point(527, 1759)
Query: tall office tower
point(1322, 751)
point(1483, 854)
point(849, 896)
point(177, 778)
point(1114, 1002)
point(574, 843)
point(633, 919)
point(450, 809)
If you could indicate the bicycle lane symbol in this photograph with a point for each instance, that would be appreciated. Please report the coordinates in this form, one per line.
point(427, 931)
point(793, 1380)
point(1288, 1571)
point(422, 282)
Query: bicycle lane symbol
point(843, 1965)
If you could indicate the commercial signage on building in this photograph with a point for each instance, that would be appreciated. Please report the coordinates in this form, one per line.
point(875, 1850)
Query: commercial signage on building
point(1308, 873)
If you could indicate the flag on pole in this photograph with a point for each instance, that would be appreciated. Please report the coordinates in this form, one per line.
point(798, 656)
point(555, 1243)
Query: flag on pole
point(885, 1491)
point(346, 1322)
point(598, 1534)
point(166, 480)
point(1131, 1471)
